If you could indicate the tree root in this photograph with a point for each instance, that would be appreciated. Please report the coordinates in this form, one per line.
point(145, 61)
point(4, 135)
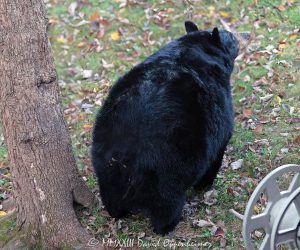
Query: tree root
point(82, 195)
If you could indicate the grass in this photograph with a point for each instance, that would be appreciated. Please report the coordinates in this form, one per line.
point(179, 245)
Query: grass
point(7, 228)
point(3, 154)
point(270, 66)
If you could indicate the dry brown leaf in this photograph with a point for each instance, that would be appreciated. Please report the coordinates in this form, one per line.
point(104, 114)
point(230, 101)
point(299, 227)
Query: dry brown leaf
point(258, 129)
point(219, 232)
point(296, 141)
point(264, 119)
point(53, 21)
point(247, 113)
point(104, 22)
point(95, 16)
point(281, 7)
point(81, 45)
point(241, 88)
point(282, 45)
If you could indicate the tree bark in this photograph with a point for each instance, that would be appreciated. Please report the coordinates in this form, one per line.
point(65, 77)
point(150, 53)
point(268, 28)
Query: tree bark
point(46, 180)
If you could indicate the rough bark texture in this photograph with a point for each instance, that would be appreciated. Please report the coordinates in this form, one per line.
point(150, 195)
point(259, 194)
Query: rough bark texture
point(45, 177)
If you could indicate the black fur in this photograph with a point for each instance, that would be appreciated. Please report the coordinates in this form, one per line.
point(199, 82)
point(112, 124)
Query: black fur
point(164, 127)
point(190, 27)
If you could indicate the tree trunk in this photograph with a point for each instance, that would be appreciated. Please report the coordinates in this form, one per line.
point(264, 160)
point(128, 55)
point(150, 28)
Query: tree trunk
point(45, 177)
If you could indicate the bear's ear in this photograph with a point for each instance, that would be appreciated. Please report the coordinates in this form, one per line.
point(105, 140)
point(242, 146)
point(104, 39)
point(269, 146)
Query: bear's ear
point(216, 36)
point(190, 27)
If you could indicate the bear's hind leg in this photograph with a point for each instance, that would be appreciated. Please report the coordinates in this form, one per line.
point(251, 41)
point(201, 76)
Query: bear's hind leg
point(206, 182)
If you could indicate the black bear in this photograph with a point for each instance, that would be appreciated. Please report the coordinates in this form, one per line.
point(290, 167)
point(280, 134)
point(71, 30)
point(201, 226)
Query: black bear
point(164, 127)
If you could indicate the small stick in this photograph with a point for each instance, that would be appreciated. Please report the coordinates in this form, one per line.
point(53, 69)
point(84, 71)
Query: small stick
point(226, 26)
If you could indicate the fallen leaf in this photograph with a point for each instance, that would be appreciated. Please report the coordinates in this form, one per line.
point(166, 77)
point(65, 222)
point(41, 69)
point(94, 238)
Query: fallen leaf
point(53, 21)
point(296, 141)
point(256, 209)
point(202, 223)
point(252, 149)
point(266, 97)
point(141, 235)
point(86, 74)
point(262, 142)
point(104, 22)
point(211, 8)
point(2, 214)
point(241, 88)
point(219, 232)
point(247, 113)
point(61, 39)
point(294, 120)
point(87, 126)
point(277, 99)
point(282, 94)
point(95, 16)
point(147, 39)
point(281, 7)
point(264, 119)
point(115, 36)
point(123, 3)
point(237, 164)
point(8, 175)
point(293, 36)
point(81, 45)
point(210, 197)
point(107, 65)
point(284, 150)
point(223, 242)
point(225, 14)
point(246, 78)
point(284, 134)
point(281, 45)
point(286, 107)
point(258, 129)
point(86, 105)
point(258, 234)
point(72, 8)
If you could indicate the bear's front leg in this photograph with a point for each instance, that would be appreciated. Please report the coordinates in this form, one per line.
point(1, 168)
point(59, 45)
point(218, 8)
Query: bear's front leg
point(166, 213)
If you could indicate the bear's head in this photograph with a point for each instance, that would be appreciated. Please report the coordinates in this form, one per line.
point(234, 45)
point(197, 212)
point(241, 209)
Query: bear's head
point(223, 39)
